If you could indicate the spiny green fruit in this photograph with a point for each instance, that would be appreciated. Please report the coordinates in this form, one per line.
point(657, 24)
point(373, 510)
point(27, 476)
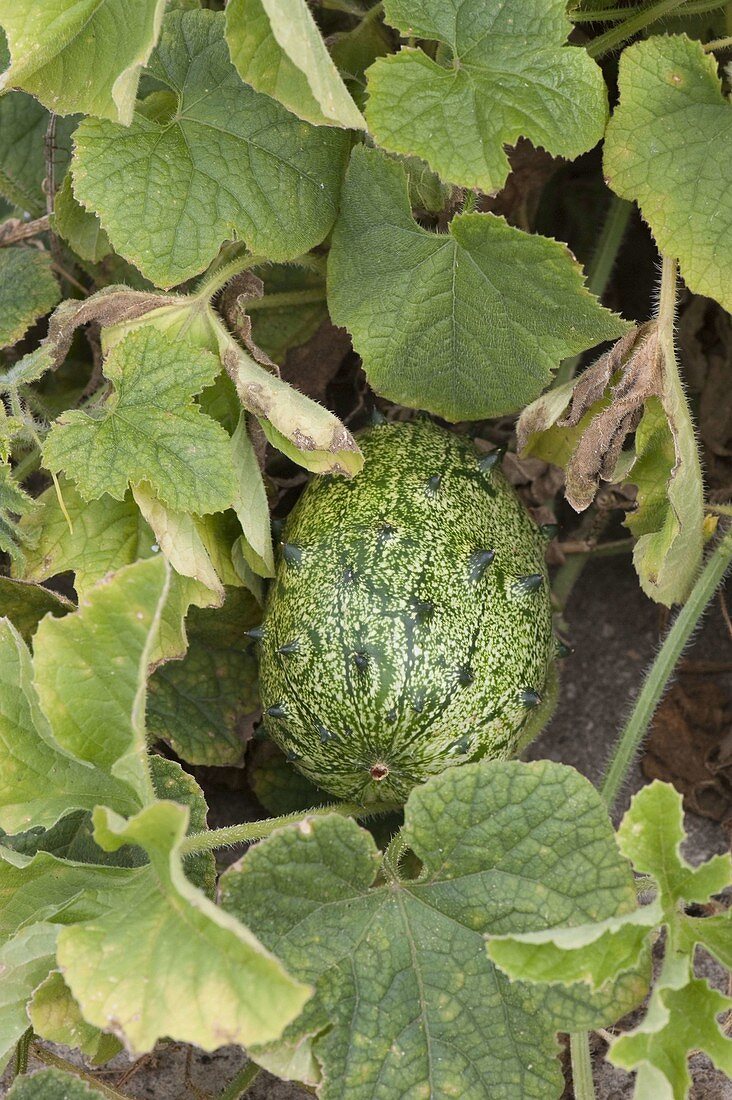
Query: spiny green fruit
point(409, 625)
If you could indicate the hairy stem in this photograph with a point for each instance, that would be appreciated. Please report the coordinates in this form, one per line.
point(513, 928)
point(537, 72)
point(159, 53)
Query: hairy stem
point(600, 268)
point(241, 1082)
point(257, 830)
point(579, 1048)
point(655, 683)
point(616, 36)
point(219, 275)
point(616, 15)
point(718, 44)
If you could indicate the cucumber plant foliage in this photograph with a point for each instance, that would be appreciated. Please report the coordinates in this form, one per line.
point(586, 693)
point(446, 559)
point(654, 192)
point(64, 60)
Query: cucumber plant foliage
point(190, 194)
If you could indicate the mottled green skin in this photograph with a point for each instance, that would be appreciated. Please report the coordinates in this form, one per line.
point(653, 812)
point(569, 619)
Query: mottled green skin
point(410, 653)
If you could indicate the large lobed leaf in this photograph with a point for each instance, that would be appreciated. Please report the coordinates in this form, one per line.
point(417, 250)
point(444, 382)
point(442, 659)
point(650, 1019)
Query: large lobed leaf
point(503, 70)
point(205, 160)
point(667, 147)
point(468, 324)
point(406, 1000)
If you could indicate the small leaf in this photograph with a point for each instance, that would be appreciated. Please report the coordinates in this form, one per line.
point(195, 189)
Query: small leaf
point(53, 1084)
point(24, 963)
point(202, 705)
point(83, 58)
point(25, 604)
point(277, 48)
point(686, 1024)
point(669, 85)
point(250, 503)
point(149, 429)
point(220, 985)
point(507, 73)
point(389, 953)
point(78, 227)
point(651, 834)
point(222, 162)
point(56, 1016)
point(468, 324)
point(28, 290)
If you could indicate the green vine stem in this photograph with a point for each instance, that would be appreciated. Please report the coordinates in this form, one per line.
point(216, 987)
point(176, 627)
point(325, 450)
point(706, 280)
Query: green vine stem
point(663, 666)
point(616, 15)
point(239, 1084)
point(284, 299)
point(718, 44)
point(579, 1049)
point(258, 830)
point(219, 275)
point(616, 36)
point(600, 268)
point(50, 1059)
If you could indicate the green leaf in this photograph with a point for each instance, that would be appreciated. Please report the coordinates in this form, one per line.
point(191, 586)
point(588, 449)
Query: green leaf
point(220, 985)
point(277, 48)
point(25, 604)
point(78, 227)
point(23, 127)
point(468, 324)
point(106, 534)
point(56, 1016)
point(690, 1024)
point(593, 953)
point(276, 329)
point(91, 671)
point(28, 290)
point(202, 705)
point(80, 56)
point(14, 501)
point(149, 429)
point(507, 73)
point(670, 86)
point(251, 504)
point(277, 783)
point(39, 783)
point(504, 846)
point(53, 1084)
point(24, 963)
point(221, 161)
point(651, 834)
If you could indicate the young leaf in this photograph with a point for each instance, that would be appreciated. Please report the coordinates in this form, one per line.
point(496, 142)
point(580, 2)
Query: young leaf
point(217, 160)
point(80, 57)
point(508, 73)
point(28, 290)
point(670, 86)
point(14, 501)
point(250, 503)
point(277, 48)
point(24, 963)
point(25, 604)
point(388, 1015)
point(220, 985)
point(660, 1053)
point(202, 705)
point(79, 227)
point(56, 1016)
point(148, 430)
point(583, 426)
point(53, 1084)
point(467, 324)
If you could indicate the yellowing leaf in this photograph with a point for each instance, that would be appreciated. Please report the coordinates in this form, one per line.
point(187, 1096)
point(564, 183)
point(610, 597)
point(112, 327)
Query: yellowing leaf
point(80, 56)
